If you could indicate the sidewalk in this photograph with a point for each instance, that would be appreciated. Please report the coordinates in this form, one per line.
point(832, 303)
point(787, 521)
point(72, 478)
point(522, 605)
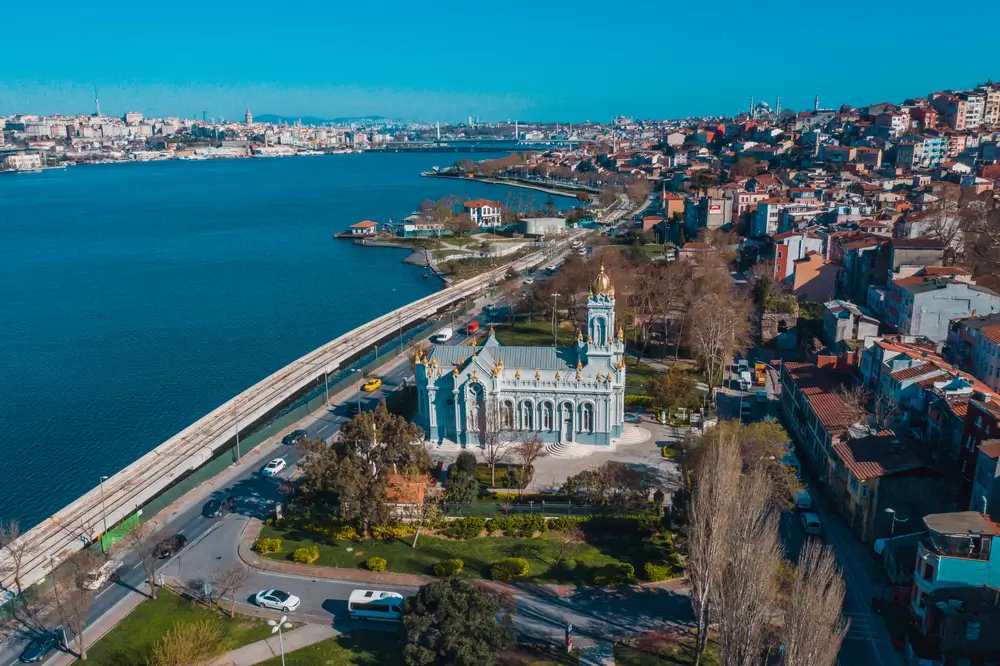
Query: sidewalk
point(97, 629)
point(269, 648)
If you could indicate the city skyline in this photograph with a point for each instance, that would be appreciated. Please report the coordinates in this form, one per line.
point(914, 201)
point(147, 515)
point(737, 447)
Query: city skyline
point(705, 61)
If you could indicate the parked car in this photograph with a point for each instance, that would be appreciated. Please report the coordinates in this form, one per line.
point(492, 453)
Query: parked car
point(811, 523)
point(294, 437)
point(96, 578)
point(761, 397)
point(274, 468)
point(170, 546)
point(529, 280)
point(39, 646)
point(371, 385)
point(277, 600)
point(217, 508)
point(803, 500)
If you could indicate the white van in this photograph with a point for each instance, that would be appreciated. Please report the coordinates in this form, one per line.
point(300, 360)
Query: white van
point(375, 605)
point(444, 335)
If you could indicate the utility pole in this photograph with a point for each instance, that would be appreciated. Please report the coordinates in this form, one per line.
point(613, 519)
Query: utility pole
point(555, 324)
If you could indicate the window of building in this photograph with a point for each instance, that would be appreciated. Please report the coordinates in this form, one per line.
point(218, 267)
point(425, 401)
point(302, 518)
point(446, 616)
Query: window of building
point(972, 632)
point(587, 412)
point(547, 416)
point(864, 491)
point(507, 415)
point(527, 422)
point(928, 573)
point(853, 481)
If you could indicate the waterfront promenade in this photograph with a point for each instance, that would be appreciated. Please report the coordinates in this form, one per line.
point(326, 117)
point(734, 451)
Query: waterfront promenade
point(82, 521)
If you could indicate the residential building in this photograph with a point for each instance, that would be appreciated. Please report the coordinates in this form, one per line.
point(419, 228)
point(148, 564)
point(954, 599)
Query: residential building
point(991, 105)
point(964, 336)
point(985, 495)
point(923, 151)
point(925, 305)
point(961, 627)
point(767, 215)
point(672, 205)
point(894, 123)
point(707, 213)
point(484, 213)
point(909, 256)
point(843, 320)
point(816, 416)
point(573, 396)
point(814, 278)
point(864, 262)
point(364, 228)
point(982, 424)
point(27, 161)
point(958, 552)
point(791, 246)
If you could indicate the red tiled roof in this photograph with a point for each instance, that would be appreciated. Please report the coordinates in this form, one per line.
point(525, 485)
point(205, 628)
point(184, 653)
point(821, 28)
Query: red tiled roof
point(818, 389)
point(877, 455)
point(364, 224)
point(478, 203)
point(915, 371)
point(992, 332)
point(944, 270)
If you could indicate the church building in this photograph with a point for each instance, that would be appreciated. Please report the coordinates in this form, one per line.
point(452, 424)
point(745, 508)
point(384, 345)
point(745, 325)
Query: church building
point(570, 395)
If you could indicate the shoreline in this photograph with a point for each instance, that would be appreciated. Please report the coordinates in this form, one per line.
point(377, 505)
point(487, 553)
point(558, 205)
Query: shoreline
point(569, 192)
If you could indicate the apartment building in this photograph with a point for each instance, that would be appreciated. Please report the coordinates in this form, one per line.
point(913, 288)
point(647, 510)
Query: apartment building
point(924, 305)
point(791, 246)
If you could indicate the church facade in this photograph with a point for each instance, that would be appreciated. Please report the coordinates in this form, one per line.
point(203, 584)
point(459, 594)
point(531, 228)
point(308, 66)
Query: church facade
point(562, 395)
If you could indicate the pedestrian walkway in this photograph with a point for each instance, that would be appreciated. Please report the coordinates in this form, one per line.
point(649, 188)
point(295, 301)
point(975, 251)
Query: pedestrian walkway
point(269, 648)
point(599, 654)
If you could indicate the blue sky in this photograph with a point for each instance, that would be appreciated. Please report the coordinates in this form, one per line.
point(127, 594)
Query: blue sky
point(556, 60)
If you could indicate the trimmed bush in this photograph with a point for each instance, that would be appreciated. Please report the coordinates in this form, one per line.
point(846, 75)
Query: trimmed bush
point(306, 555)
point(386, 532)
point(517, 525)
point(376, 564)
point(566, 522)
point(499, 572)
point(643, 401)
point(614, 574)
point(265, 546)
point(449, 568)
point(469, 527)
point(657, 572)
point(518, 566)
point(347, 533)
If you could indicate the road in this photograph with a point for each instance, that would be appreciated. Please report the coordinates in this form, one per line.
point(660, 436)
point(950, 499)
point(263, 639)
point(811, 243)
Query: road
point(867, 640)
point(214, 541)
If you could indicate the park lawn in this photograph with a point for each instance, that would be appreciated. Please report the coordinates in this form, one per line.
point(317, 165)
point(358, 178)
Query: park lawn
point(131, 641)
point(536, 333)
point(637, 376)
point(478, 554)
point(676, 654)
point(357, 648)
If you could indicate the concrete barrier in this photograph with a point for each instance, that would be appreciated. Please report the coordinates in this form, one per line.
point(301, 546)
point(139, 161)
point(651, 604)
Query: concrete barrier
point(81, 522)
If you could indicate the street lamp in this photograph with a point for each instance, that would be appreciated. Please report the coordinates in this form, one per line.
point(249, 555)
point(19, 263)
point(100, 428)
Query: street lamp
point(276, 627)
point(104, 513)
point(892, 528)
point(376, 352)
point(359, 387)
point(555, 327)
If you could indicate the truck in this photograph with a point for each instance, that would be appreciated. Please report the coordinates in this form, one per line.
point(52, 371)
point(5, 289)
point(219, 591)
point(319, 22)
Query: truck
point(444, 335)
point(760, 373)
point(472, 327)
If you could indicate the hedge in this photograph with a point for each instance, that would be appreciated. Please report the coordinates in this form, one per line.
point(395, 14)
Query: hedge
point(347, 533)
point(467, 528)
point(517, 525)
point(306, 555)
point(265, 546)
point(376, 564)
point(657, 572)
point(449, 568)
point(566, 522)
point(638, 401)
point(614, 574)
point(509, 568)
point(387, 532)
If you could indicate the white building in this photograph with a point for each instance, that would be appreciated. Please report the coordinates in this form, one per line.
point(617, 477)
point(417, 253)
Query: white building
point(484, 213)
point(22, 162)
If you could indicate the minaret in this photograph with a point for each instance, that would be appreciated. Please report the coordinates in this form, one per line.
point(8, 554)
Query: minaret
point(97, 102)
point(516, 133)
point(439, 130)
point(777, 106)
point(816, 104)
point(753, 111)
point(248, 117)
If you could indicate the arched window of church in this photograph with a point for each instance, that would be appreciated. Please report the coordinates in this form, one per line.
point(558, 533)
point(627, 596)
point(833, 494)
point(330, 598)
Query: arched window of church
point(507, 415)
point(526, 420)
point(587, 420)
point(547, 416)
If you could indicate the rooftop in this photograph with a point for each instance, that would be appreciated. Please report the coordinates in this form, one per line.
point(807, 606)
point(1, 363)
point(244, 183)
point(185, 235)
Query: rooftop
point(961, 522)
point(878, 455)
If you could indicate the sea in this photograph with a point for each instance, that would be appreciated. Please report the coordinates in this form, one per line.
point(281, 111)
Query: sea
point(135, 298)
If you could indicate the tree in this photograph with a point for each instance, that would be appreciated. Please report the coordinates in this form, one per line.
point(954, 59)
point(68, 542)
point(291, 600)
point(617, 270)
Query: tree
point(612, 484)
point(372, 446)
point(189, 643)
point(496, 430)
point(710, 514)
point(607, 196)
point(566, 539)
point(228, 580)
point(460, 223)
point(454, 622)
point(703, 179)
point(16, 547)
point(746, 589)
point(70, 601)
point(143, 539)
point(462, 486)
point(673, 389)
point(423, 512)
point(813, 627)
point(854, 401)
point(719, 330)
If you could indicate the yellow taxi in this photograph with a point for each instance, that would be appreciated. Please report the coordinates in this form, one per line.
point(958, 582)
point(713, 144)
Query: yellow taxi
point(372, 384)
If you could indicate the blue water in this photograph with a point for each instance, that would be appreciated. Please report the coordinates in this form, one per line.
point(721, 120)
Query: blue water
point(138, 297)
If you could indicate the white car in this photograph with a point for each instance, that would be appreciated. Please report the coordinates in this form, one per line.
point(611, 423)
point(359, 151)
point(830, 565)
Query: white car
point(95, 580)
point(277, 600)
point(274, 468)
point(529, 280)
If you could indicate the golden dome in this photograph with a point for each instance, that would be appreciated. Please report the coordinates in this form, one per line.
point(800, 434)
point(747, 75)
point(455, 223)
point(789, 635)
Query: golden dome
point(602, 285)
point(517, 375)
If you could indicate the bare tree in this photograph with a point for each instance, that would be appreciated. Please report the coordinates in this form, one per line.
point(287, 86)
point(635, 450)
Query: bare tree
point(15, 546)
point(718, 331)
point(885, 411)
point(424, 512)
point(70, 601)
point(227, 581)
point(529, 451)
point(746, 586)
point(813, 627)
point(710, 514)
point(496, 426)
point(855, 401)
point(142, 540)
point(566, 539)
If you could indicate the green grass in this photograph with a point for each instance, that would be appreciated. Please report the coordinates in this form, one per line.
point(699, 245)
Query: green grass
point(536, 333)
point(131, 641)
point(478, 554)
point(664, 650)
point(358, 648)
point(636, 377)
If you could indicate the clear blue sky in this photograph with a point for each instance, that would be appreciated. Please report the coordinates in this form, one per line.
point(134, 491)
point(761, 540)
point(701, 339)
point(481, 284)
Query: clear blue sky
point(548, 59)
